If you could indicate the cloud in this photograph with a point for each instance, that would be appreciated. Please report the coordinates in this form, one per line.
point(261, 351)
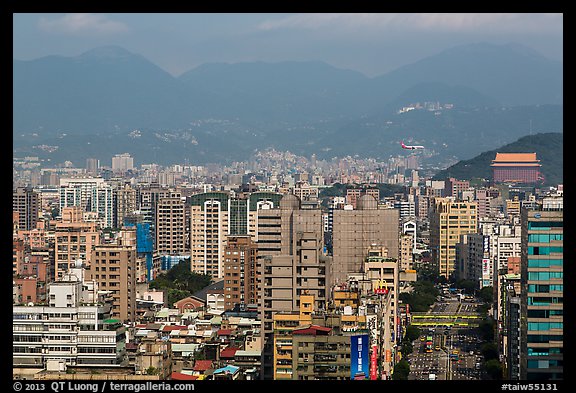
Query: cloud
point(441, 22)
point(82, 23)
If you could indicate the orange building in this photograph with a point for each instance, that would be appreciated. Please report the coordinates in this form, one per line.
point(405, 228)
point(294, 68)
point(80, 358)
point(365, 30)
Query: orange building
point(516, 168)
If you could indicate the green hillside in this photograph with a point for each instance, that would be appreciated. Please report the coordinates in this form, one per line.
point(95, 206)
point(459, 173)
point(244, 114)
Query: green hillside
point(549, 149)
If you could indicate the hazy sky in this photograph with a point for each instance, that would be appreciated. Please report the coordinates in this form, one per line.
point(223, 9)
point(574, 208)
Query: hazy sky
point(372, 43)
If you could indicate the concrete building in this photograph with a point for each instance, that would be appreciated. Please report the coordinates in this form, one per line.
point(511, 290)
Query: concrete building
point(74, 239)
point(73, 329)
point(507, 290)
point(92, 166)
point(449, 219)
point(122, 163)
point(216, 215)
point(291, 264)
point(355, 230)
point(147, 197)
point(124, 203)
point(171, 227)
point(454, 188)
point(542, 278)
point(113, 267)
point(353, 194)
point(473, 260)
point(310, 345)
point(26, 202)
point(241, 280)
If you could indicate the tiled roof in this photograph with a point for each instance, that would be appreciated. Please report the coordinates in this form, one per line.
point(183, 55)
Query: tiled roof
point(182, 377)
point(169, 328)
point(228, 353)
point(313, 330)
point(515, 157)
point(202, 365)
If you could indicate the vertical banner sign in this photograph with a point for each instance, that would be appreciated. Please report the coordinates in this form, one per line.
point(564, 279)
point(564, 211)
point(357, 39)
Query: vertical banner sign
point(374, 363)
point(359, 363)
point(388, 356)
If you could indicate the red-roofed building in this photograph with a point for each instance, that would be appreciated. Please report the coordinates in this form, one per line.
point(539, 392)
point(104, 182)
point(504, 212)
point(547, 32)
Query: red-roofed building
point(189, 304)
point(169, 328)
point(228, 353)
point(224, 335)
point(516, 168)
point(313, 330)
point(202, 365)
point(182, 377)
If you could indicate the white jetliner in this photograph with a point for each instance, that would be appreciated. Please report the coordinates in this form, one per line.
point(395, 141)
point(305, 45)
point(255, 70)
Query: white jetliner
point(408, 147)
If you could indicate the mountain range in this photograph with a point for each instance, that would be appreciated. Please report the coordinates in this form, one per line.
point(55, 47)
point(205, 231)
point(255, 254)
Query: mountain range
point(109, 100)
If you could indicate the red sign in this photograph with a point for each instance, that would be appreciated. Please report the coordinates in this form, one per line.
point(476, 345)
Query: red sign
point(381, 291)
point(374, 363)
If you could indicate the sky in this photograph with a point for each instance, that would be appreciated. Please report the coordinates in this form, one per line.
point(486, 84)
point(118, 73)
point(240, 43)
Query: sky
point(371, 43)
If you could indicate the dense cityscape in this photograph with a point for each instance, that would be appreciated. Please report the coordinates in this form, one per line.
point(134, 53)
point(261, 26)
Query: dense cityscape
point(201, 199)
point(286, 268)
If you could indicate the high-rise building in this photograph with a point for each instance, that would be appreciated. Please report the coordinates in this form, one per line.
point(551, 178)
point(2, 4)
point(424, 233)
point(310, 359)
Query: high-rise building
point(26, 202)
point(216, 215)
point(171, 227)
point(354, 231)
point(92, 194)
point(291, 264)
point(449, 218)
point(92, 166)
point(122, 162)
point(113, 267)
point(147, 197)
point(241, 281)
point(74, 239)
point(124, 204)
point(542, 280)
point(454, 187)
point(353, 194)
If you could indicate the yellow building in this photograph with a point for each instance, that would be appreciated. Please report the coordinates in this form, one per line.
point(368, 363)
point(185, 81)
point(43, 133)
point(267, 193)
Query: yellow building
point(450, 218)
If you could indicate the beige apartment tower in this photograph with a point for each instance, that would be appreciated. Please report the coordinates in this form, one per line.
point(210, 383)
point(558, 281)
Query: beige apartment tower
point(354, 231)
point(291, 265)
point(114, 269)
point(449, 218)
point(171, 227)
point(75, 239)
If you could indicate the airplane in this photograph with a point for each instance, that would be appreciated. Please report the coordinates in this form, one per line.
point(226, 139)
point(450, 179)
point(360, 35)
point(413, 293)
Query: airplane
point(408, 147)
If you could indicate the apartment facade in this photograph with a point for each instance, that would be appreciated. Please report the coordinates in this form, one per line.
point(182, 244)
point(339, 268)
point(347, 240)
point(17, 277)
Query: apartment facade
point(542, 280)
point(354, 231)
point(449, 219)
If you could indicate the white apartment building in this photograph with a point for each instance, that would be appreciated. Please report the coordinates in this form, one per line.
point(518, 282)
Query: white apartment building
point(73, 329)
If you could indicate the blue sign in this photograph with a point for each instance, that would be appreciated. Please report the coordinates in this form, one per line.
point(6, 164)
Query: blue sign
point(359, 363)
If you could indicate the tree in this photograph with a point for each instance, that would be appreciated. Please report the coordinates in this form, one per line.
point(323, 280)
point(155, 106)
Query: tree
point(401, 370)
point(486, 294)
point(412, 333)
point(180, 282)
point(494, 369)
point(489, 351)
point(487, 327)
point(407, 348)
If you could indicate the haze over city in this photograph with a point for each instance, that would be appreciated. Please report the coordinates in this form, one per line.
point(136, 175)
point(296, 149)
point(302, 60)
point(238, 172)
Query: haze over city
point(205, 197)
point(371, 43)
